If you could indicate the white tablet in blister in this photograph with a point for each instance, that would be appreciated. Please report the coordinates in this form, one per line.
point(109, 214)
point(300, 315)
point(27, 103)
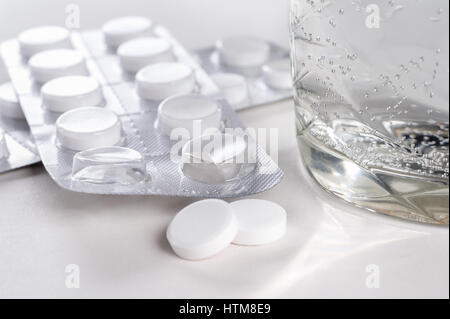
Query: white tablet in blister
point(163, 80)
point(136, 54)
point(120, 30)
point(88, 127)
point(66, 93)
point(43, 38)
point(48, 65)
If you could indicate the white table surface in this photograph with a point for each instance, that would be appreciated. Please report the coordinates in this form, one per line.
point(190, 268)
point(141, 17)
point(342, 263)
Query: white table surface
point(119, 243)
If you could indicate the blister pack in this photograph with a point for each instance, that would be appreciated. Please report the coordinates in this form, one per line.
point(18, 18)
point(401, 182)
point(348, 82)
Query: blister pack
point(17, 148)
point(102, 129)
point(249, 71)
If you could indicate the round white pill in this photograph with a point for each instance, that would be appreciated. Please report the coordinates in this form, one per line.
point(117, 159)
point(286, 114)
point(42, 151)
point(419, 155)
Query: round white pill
point(233, 86)
point(3, 147)
point(44, 38)
point(260, 222)
point(70, 92)
point(87, 128)
point(162, 80)
point(202, 230)
point(9, 103)
point(243, 52)
point(277, 74)
point(52, 64)
point(139, 53)
point(120, 30)
point(186, 111)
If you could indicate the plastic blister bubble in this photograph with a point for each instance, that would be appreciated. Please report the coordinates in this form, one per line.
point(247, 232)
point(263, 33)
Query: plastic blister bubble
point(218, 158)
point(110, 165)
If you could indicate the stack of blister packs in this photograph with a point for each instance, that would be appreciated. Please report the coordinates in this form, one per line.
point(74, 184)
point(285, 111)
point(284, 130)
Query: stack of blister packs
point(127, 110)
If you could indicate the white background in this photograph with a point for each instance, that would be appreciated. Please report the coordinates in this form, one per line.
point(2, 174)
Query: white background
point(195, 22)
point(119, 242)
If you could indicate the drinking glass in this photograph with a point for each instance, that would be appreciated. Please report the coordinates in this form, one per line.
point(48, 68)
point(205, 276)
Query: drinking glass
point(372, 97)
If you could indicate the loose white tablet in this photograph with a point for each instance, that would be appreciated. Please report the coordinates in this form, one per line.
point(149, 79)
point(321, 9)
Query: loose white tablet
point(214, 159)
point(120, 30)
point(277, 74)
point(233, 86)
point(182, 111)
point(3, 147)
point(44, 38)
point(243, 52)
point(162, 80)
point(138, 53)
point(260, 222)
point(202, 230)
point(52, 64)
point(9, 103)
point(87, 128)
point(70, 92)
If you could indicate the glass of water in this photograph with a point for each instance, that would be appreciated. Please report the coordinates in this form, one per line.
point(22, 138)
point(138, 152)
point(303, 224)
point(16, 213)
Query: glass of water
point(372, 102)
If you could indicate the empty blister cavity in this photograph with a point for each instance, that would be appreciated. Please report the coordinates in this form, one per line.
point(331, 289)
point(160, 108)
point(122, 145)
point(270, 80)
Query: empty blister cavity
point(9, 103)
point(233, 87)
point(44, 38)
point(163, 80)
point(120, 30)
point(110, 165)
point(139, 53)
point(277, 74)
point(3, 147)
point(202, 230)
point(52, 64)
point(260, 222)
point(66, 93)
point(88, 127)
point(195, 114)
point(243, 52)
point(217, 158)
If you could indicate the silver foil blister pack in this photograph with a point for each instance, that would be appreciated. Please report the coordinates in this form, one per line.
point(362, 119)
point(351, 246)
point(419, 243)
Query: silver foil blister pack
point(249, 71)
point(142, 162)
point(17, 148)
